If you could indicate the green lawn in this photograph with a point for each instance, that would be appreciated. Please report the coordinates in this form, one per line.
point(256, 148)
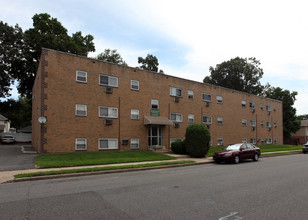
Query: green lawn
point(95, 158)
point(263, 148)
point(95, 169)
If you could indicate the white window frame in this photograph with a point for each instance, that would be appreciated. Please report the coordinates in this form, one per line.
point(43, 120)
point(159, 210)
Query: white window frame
point(252, 105)
point(243, 103)
point(262, 124)
point(244, 122)
point(178, 117)
point(190, 94)
point(191, 118)
point(220, 120)
point(244, 140)
point(134, 83)
point(80, 106)
point(253, 123)
point(174, 91)
point(220, 141)
point(109, 111)
point(134, 143)
point(219, 99)
point(108, 140)
point(153, 103)
point(269, 141)
point(79, 140)
point(134, 112)
point(261, 106)
point(81, 72)
point(253, 140)
point(268, 124)
point(268, 108)
point(109, 80)
point(208, 122)
point(205, 96)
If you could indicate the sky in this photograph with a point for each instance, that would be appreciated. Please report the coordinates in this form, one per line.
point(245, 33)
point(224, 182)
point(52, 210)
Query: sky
point(188, 36)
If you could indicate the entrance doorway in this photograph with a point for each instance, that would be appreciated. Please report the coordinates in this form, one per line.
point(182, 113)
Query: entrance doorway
point(155, 136)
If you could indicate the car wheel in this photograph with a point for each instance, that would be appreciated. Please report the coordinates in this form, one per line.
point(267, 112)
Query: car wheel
point(236, 159)
point(256, 157)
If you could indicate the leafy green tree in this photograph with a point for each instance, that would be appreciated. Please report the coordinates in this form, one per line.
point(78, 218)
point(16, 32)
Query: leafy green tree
point(17, 111)
point(149, 63)
point(239, 74)
point(111, 56)
point(302, 117)
point(290, 122)
point(12, 62)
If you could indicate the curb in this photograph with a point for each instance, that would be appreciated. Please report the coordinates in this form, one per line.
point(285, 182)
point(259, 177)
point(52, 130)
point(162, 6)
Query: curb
point(57, 176)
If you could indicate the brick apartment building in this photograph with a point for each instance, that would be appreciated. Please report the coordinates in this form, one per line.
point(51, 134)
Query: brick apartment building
point(85, 104)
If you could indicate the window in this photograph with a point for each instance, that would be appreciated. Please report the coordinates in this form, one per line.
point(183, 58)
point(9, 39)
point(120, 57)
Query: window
point(108, 80)
point(134, 113)
point(275, 140)
point(253, 141)
point(268, 124)
point(175, 92)
point(243, 103)
point(252, 105)
point(172, 140)
point(190, 94)
point(262, 124)
point(206, 97)
point(154, 104)
point(108, 112)
point(80, 144)
point(207, 119)
point(244, 122)
point(219, 99)
point(107, 143)
point(253, 123)
point(269, 140)
point(220, 142)
point(81, 76)
point(134, 143)
point(176, 117)
point(261, 106)
point(81, 110)
point(268, 108)
point(134, 84)
point(219, 120)
point(191, 118)
point(244, 140)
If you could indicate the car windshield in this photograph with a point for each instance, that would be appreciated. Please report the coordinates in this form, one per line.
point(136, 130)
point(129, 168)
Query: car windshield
point(234, 147)
point(7, 136)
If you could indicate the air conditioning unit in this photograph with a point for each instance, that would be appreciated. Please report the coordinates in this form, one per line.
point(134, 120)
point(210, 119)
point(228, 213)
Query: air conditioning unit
point(208, 126)
point(124, 141)
point(258, 139)
point(108, 122)
point(253, 128)
point(176, 125)
point(253, 110)
point(108, 90)
point(176, 99)
point(268, 112)
point(207, 104)
point(269, 129)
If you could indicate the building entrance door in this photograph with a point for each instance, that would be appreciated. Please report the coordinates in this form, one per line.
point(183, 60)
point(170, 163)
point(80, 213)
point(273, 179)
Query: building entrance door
point(155, 136)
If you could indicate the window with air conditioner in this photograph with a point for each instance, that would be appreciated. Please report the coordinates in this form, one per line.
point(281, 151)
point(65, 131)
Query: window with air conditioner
point(107, 143)
point(268, 124)
point(108, 80)
point(252, 123)
point(191, 118)
point(108, 112)
point(175, 92)
point(154, 104)
point(81, 110)
point(81, 76)
point(207, 119)
point(243, 103)
point(206, 97)
point(244, 122)
point(253, 141)
point(219, 99)
point(219, 120)
point(134, 85)
point(134, 114)
point(268, 108)
point(80, 144)
point(252, 105)
point(176, 117)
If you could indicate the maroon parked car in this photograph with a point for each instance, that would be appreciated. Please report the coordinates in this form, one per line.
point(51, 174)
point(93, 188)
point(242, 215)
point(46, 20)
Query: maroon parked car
point(237, 152)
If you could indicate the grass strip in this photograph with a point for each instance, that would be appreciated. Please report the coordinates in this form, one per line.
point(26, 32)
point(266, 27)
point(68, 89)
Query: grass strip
point(278, 153)
point(95, 169)
point(97, 158)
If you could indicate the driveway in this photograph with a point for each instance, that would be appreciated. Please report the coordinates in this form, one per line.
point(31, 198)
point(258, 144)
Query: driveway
point(11, 158)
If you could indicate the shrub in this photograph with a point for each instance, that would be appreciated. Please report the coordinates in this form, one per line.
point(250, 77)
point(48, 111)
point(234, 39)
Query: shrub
point(178, 147)
point(197, 139)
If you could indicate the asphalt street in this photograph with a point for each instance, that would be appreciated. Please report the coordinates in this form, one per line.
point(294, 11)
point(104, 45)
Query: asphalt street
point(11, 158)
point(272, 188)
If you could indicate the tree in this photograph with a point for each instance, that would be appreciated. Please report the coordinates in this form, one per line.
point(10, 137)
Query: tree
point(302, 117)
point(12, 62)
point(239, 74)
point(111, 56)
point(149, 63)
point(48, 32)
point(290, 122)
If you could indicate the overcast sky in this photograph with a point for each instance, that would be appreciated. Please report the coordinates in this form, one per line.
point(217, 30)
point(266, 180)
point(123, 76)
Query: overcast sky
point(189, 36)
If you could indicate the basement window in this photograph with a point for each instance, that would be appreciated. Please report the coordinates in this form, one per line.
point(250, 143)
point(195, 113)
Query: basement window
point(80, 144)
point(107, 143)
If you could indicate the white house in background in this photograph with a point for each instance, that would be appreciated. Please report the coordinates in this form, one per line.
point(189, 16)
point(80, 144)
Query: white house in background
point(4, 124)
